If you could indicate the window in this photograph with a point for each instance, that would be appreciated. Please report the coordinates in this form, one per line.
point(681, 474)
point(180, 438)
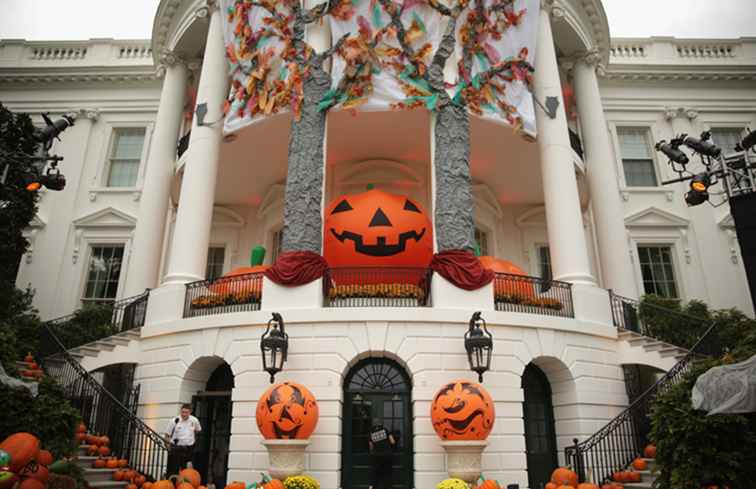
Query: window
point(544, 262)
point(726, 138)
point(657, 270)
point(481, 239)
point(103, 274)
point(277, 242)
point(637, 161)
point(125, 155)
point(216, 256)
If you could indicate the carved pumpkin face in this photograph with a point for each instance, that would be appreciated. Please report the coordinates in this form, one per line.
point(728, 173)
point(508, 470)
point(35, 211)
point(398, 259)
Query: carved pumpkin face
point(462, 410)
point(377, 229)
point(287, 411)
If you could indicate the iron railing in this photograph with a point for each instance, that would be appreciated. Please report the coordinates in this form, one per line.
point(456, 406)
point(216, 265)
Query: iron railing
point(377, 287)
point(222, 295)
point(532, 295)
point(620, 441)
point(103, 413)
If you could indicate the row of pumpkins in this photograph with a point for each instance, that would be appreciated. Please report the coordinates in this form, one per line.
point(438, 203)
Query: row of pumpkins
point(24, 462)
point(374, 229)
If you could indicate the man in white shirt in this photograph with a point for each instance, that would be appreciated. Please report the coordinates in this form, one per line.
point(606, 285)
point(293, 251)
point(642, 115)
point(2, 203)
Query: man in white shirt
point(181, 433)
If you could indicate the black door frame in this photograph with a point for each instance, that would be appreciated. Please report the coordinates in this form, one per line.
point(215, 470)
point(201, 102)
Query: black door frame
point(378, 387)
point(542, 464)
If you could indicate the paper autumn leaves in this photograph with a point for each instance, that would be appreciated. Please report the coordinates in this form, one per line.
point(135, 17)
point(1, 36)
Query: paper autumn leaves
point(384, 61)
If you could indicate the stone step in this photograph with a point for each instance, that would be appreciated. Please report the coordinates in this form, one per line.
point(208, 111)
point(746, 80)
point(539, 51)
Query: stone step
point(120, 340)
point(85, 461)
point(671, 352)
point(135, 333)
point(86, 350)
point(639, 485)
point(111, 484)
point(639, 340)
point(105, 344)
point(92, 474)
point(654, 345)
point(625, 334)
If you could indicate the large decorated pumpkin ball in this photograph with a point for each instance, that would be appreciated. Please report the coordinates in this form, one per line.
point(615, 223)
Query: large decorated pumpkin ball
point(462, 410)
point(377, 229)
point(508, 284)
point(287, 411)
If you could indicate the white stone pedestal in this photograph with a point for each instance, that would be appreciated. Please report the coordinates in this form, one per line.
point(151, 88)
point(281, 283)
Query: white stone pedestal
point(446, 295)
point(464, 459)
point(308, 296)
point(287, 457)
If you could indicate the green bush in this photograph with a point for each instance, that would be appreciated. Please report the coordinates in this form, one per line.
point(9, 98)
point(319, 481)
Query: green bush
point(90, 323)
point(49, 416)
point(693, 448)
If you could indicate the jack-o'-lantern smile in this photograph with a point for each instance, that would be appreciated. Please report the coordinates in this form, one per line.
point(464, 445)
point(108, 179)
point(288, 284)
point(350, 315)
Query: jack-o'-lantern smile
point(381, 248)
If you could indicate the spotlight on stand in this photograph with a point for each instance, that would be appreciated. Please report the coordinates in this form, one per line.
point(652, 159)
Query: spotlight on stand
point(702, 146)
point(53, 129)
point(671, 150)
point(479, 345)
point(699, 190)
point(747, 143)
point(274, 345)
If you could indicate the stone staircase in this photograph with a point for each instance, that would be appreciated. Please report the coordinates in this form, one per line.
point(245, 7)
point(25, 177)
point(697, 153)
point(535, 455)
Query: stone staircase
point(94, 348)
point(665, 354)
point(647, 477)
point(97, 478)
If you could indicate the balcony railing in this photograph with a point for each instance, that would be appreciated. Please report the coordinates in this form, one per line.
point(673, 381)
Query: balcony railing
point(377, 287)
point(532, 295)
point(222, 295)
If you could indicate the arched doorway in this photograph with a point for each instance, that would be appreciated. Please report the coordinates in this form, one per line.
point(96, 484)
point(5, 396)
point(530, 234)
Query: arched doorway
point(540, 435)
point(213, 409)
point(376, 389)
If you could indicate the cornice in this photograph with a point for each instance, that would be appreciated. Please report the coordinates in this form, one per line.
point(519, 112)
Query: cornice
point(681, 73)
point(47, 76)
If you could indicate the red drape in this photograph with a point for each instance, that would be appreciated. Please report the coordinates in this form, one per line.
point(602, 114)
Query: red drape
point(461, 268)
point(297, 268)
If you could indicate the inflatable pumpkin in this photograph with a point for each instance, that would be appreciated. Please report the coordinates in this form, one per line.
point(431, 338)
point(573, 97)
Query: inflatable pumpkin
point(377, 229)
point(287, 411)
point(504, 286)
point(462, 410)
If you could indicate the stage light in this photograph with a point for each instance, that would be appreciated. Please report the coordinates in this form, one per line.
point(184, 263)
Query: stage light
point(53, 129)
point(747, 143)
point(670, 151)
point(699, 190)
point(703, 145)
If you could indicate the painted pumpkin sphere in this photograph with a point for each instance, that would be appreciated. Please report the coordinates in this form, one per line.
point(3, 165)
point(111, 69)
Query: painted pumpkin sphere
point(463, 410)
point(227, 285)
point(508, 287)
point(377, 229)
point(287, 411)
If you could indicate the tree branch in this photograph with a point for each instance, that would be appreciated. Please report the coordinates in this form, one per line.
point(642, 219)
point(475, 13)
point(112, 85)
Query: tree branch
point(319, 11)
point(318, 60)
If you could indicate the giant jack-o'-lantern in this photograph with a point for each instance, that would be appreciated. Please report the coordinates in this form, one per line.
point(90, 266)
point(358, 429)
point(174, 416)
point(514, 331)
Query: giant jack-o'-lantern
point(463, 410)
point(508, 285)
point(377, 229)
point(287, 411)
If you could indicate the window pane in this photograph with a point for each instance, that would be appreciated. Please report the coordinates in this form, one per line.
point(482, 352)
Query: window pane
point(726, 138)
point(215, 259)
point(482, 240)
point(277, 241)
point(103, 273)
point(639, 173)
point(125, 156)
point(123, 173)
point(657, 270)
point(634, 143)
point(544, 262)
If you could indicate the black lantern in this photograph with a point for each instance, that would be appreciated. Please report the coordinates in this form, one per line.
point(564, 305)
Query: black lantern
point(479, 345)
point(274, 345)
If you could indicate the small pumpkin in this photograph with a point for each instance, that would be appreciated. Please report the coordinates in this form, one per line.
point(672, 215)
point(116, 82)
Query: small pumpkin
point(190, 475)
point(103, 451)
point(131, 486)
point(129, 475)
point(565, 486)
point(563, 476)
point(92, 450)
point(489, 484)
point(41, 474)
point(640, 464)
point(122, 462)
point(112, 463)
point(231, 485)
point(81, 438)
point(147, 485)
point(118, 475)
point(99, 463)
point(104, 441)
point(22, 448)
point(550, 485)
point(632, 476)
point(587, 485)
point(30, 483)
point(29, 358)
point(650, 451)
point(202, 487)
point(184, 485)
point(273, 484)
point(82, 428)
point(45, 457)
point(162, 484)
point(618, 477)
point(91, 439)
point(139, 480)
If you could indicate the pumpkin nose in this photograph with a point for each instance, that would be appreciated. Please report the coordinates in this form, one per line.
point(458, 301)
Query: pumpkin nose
point(379, 219)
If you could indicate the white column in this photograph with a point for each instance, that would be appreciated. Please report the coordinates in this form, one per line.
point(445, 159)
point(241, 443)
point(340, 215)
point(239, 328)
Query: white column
point(191, 234)
point(144, 268)
point(569, 254)
point(607, 207)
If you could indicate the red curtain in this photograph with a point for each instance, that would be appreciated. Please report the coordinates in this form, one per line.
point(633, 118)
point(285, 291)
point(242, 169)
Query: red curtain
point(461, 268)
point(297, 268)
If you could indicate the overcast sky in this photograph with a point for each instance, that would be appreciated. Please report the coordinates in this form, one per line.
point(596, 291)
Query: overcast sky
point(132, 19)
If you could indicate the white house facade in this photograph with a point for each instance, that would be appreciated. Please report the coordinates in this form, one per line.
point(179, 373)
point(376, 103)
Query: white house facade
point(157, 200)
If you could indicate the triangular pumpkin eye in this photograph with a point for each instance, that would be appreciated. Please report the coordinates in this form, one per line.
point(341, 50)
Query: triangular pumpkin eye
point(409, 206)
point(342, 207)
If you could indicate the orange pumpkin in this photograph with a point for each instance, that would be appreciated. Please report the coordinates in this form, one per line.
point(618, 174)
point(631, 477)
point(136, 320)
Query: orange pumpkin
point(104, 441)
point(618, 477)
point(162, 484)
point(118, 475)
point(41, 474)
point(92, 450)
point(202, 487)
point(563, 476)
point(99, 463)
point(287, 411)
point(122, 463)
point(130, 474)
point(91, 439)
point(587, 485)
point(649, 451)
point(550, 485)
point(640, 464)
point(489, 484)
point(22, 448)
point(184, 485)
point(103, 451)
point(377, 229)
point(462, 410)
point(232, 485)
point(508, 287)
point(612, 485)
point(273, 484)
point(223, 286)
point(632, 476)
point(190, 475)
point(139, 480)
point(45, 457)
point(147, 485)
point(82, 428)
point(112, 463)
point(565, 486)
point(131, 486)
point(31, 483)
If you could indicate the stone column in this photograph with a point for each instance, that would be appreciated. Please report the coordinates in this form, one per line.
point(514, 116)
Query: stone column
point(569, 253)
point(144, 269)
point(191, 235)
point(606, 203)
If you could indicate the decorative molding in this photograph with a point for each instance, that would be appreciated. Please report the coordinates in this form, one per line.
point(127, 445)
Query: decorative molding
point(224, 217)
point(136, 195)
point(48, 77)
point(484, 197)
point(105, 218)
point(168, 59)
point(655, 217)
point(77, 245)
point(686, 245)
point(208, 8)
point(91, 114)
point(691, 74)
point(529, 218)
point(727, 224)
point(272, 200)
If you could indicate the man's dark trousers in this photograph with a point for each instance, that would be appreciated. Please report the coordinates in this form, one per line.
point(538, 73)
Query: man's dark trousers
point(380, 473)
point(178, 456)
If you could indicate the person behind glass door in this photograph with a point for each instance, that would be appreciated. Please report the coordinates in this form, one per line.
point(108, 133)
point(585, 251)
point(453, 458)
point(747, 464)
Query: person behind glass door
point(181, 433)
point(381, 444)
